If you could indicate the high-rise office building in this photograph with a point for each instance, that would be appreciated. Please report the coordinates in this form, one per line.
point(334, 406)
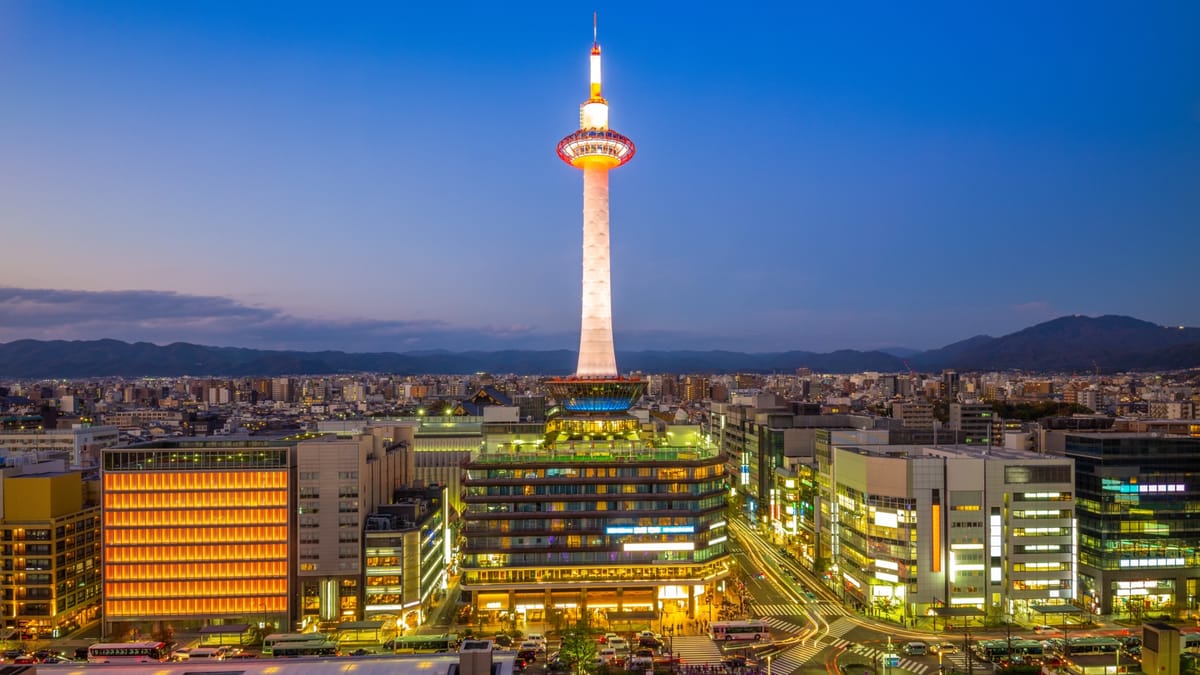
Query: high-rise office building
point(1139, 536)
point(196, 530)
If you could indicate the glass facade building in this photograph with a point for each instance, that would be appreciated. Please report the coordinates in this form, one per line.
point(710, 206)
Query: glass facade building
point(555, 532)
point(1139, 522)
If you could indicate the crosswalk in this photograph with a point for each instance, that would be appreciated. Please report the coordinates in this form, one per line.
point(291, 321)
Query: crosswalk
point(905, 664)
point(832, 609)
point(783, 625)
point(777, 610)
point(695, 649)
point(840, 627)
point(956, 660)
point(824, 608)
point(787, 661)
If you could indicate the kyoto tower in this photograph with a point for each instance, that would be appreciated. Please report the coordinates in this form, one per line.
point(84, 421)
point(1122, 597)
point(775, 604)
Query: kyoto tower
point(596, 391)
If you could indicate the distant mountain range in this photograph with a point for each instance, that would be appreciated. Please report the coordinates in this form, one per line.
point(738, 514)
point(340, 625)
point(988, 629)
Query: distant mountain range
point(1069, 343)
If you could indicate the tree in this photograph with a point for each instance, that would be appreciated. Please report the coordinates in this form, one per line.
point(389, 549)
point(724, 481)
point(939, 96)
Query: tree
point(578, 648)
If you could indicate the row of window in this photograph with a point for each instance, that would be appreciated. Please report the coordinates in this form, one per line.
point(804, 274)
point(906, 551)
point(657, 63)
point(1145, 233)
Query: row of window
point(239, 569)
point(232, 534)
point(169, 518)
point(195, 605)
point(202, 588)
point(154, 555)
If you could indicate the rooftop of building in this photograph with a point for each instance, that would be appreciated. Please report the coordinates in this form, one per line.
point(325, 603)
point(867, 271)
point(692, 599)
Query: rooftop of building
point(1110, 435)
point(230, 441)
point(949, 451)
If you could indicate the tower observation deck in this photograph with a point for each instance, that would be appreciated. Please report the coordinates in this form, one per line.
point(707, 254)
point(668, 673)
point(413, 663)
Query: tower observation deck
point(596, 390)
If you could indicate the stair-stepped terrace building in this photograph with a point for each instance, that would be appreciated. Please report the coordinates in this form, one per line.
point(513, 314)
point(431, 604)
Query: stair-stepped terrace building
point(593, 525)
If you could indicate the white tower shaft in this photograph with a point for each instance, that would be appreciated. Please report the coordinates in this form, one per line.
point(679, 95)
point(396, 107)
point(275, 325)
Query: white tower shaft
point(597, 357)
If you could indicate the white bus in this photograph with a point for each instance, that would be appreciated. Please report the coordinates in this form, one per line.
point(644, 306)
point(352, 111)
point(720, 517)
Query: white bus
point(127, 652)
point(750, 629)
point(269, 642)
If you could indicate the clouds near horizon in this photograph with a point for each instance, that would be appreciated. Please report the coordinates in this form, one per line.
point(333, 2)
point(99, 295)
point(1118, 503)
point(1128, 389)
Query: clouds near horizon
point(163, 317)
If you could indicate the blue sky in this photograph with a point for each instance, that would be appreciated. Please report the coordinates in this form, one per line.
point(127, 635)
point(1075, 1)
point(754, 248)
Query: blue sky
point(382, 176)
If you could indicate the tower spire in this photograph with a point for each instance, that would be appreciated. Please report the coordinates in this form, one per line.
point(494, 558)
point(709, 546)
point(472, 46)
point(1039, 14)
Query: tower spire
point(595, 41)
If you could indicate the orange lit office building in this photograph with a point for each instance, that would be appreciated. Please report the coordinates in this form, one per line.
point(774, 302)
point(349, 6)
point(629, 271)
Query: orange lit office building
point(196, 532)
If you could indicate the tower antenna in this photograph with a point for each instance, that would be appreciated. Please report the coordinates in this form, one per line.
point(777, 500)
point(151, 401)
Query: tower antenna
point(594, 34)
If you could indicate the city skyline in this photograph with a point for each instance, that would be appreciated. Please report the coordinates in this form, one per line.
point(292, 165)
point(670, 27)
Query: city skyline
point(243, 176)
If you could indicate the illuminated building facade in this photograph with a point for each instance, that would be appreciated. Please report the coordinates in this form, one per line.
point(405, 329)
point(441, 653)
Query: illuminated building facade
point(407, 556)
point(1139, 534)
point(598, 514)
point(912, 528)
point(196, 530)
point(49, 550)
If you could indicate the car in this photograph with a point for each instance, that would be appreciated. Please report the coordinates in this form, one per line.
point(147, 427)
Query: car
point(503, 640)
point(606, 656)
point(25, 659)
point(916, 648)
point(538, 638)
point(943, 648)
point(618, 643)
point(606, 637)
point(653, 643)
point(519, 665)
point(1043, 628)
point(528, 651)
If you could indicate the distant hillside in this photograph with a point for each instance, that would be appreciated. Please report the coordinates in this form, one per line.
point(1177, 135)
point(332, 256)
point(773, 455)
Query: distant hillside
point(1079, 343)
point(1110, 343)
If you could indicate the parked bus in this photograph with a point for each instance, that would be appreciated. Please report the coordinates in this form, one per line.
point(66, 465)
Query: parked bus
point(1093, 645)
point(992, 650)
point(273, 639)
point(423, 644)
point(751, 629)
point(1032, 651)
point(1189, 642)
point(283, 650)
point(127, 652)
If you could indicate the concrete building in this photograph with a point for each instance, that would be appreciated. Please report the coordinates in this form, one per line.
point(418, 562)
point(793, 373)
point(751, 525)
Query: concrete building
point(911, 528)
point(341, 479)
point(975, 421)
point(913, 415)
point(82, 443)
point(49, 549)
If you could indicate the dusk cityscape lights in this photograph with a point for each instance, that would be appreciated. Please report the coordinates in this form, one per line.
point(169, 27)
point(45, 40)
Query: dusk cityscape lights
point(370, 450)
